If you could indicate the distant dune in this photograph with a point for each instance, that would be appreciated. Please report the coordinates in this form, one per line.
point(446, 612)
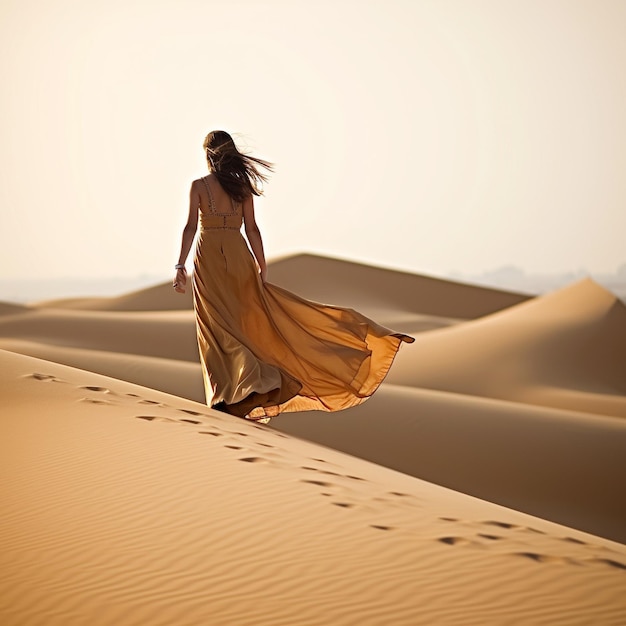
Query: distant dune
point(347, 283)
point(565, 350)
point(336, 281)
point(158, 298)
point(8, 308)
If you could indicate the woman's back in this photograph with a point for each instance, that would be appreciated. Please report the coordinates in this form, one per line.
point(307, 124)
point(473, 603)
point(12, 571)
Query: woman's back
point(217, 208)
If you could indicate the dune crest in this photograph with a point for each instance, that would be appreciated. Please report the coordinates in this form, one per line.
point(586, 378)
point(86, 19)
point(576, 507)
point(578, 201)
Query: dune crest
point(565, 350)
point(160, 297)
point(332, 281)
point(327, 279)
point(163, 334)
point(9, 308)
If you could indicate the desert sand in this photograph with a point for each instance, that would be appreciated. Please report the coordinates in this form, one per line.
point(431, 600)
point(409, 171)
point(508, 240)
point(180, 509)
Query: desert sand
point(482, 484)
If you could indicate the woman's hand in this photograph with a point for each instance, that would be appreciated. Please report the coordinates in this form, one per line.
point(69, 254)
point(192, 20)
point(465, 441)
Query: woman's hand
point(180, 281)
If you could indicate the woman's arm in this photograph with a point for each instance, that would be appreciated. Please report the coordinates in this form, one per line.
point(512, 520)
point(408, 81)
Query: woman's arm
point(254, 235)
point(189, 232)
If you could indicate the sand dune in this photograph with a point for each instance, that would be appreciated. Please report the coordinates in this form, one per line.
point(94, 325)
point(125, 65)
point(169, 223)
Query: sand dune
point(123, 505)
point(158, 298)
point(156, 322)
point(333, 281)
point(346, 283)
point(565, 350)
point(164, 334)
point(132, 504)
point(8, 308)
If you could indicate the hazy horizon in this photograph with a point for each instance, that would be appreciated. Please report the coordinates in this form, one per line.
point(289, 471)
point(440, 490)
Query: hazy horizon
point(507, 277)
point(428, 136)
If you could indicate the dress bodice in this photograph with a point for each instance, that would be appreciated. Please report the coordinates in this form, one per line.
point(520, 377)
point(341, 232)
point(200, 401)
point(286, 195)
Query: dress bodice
point(229, 217)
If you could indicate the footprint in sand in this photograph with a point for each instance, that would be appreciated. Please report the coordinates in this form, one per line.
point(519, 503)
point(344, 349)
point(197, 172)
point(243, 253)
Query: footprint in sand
point(343, 505)
point(253, 459)
point(610, 562)
point(319, 483)
point(96, 388)
point(210, 432)
point(190, 412)
point(381, 527)
point(574, 540)
point(543, 558)
point(490, 537)
point(95, 401)
point(456, 541)
point(189, 421)
point(500, 524)
point(320, 471)
point(152, 418)
point(46, 378)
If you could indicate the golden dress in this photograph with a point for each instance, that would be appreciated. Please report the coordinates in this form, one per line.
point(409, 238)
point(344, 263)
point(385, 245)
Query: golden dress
point(265, 350)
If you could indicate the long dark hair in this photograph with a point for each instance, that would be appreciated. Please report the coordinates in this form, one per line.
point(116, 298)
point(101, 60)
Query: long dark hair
point(238, 173)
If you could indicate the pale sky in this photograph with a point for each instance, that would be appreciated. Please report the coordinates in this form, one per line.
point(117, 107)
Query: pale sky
point(433, 136)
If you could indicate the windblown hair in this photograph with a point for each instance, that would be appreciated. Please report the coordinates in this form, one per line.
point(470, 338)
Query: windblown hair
point(238, 173)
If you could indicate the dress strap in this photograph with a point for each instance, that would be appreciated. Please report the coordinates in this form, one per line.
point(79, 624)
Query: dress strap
point(208, 188)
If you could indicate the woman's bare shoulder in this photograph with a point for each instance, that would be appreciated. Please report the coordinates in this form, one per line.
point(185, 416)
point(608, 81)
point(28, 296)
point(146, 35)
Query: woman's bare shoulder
point(200, 180)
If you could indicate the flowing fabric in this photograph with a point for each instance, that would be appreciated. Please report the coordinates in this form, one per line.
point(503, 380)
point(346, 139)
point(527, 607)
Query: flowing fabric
point(265, 350)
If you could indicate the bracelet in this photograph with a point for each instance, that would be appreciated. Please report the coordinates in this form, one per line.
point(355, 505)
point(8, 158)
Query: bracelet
point(179, 266)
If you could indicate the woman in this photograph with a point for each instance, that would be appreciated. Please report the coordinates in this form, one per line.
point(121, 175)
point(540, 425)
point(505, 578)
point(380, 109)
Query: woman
point(265, 350)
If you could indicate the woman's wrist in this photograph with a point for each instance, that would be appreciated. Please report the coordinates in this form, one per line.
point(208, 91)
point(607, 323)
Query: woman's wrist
point(179, 266)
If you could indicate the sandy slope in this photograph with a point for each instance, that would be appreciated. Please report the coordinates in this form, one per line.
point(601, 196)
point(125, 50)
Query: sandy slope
point(123, 505)
point(565, 350)
point(565, 466)
point(182, 378)
point(164, 334)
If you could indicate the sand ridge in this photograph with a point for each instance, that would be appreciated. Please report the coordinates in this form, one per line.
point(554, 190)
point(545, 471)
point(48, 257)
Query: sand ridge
point(564, 350)
point(352, 284)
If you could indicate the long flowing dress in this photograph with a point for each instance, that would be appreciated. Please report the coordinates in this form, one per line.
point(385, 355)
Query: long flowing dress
point(265, 350)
